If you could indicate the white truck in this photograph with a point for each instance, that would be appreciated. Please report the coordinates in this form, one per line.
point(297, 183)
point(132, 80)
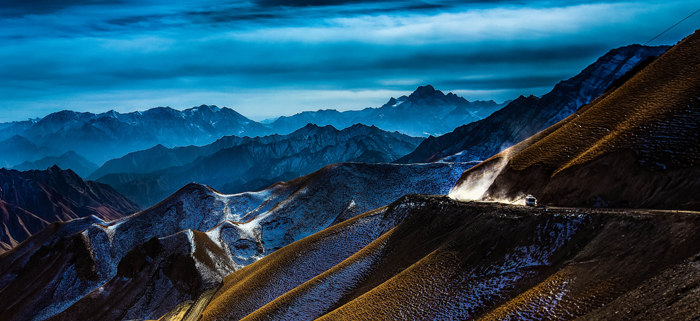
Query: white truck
point(530, 200)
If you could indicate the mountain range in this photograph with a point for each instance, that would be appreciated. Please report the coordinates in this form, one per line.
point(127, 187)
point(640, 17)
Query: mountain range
point(526, 116)
point(31, 200)
point(100, 137)
point(424, 112)
point(69, 160)
point(143, 265)
point(237, 164)
point(104, 136)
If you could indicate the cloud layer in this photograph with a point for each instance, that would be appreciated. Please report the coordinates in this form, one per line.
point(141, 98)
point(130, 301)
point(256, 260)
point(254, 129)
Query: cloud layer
point(267, 58)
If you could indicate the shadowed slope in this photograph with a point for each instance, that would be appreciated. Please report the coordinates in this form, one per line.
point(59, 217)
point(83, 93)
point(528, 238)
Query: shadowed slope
point(30, 200)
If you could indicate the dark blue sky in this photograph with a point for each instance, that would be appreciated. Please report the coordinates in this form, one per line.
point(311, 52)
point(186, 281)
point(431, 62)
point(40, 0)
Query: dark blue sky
point(267, 58)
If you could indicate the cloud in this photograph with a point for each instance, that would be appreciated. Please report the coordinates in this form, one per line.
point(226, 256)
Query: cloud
point(76, 52)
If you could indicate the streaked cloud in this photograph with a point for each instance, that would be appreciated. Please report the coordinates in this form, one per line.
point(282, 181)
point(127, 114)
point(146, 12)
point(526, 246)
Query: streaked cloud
point(304, 55)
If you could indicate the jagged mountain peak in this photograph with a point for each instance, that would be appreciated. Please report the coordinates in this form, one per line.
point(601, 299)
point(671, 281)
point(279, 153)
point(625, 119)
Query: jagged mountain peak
point(18, 139)
point(111, 113)
point(392, 102)
point(158, 147)
point(312, 128)
point(65, 117)
point(425, 92)
point(162, 112)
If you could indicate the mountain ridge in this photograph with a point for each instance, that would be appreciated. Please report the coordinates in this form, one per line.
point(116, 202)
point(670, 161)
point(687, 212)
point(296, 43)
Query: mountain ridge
point(31, 200)
point(69, 160)
point(233, 162)
point(526, 116)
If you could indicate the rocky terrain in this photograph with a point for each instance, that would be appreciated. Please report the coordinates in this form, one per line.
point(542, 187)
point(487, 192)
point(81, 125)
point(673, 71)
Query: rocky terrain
point(614, 236)
point(526, 116)
point(144, 265)
point(446, 257)
point(31, 200)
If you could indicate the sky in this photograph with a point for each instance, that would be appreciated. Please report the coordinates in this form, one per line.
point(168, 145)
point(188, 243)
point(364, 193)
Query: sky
point(266, 58)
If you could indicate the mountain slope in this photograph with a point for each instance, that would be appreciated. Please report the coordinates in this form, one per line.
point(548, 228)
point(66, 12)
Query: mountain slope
point(429, 258)
point(30, 200)
point(241, 161)
point(526, 116)
point(17, 149)
point(144, 265)
point(70, 160)
point(635, 146)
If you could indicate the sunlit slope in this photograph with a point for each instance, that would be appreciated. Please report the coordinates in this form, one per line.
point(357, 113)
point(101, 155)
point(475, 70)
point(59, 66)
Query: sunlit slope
point(430, 258)
point(634, 146)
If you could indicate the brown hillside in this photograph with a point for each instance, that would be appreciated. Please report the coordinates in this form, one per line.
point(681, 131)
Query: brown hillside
point(635, 146)
point(444, 259)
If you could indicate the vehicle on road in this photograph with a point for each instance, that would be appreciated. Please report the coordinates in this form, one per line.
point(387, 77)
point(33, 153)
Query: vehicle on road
point(530, 200)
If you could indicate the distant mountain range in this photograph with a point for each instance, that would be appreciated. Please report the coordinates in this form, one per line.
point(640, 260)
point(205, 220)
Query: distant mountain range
point(31, 200)
point(70, 160)
point(237, 164)
point(526, 116)
point(142, 266)
point(424, 112)
point(101, 137)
